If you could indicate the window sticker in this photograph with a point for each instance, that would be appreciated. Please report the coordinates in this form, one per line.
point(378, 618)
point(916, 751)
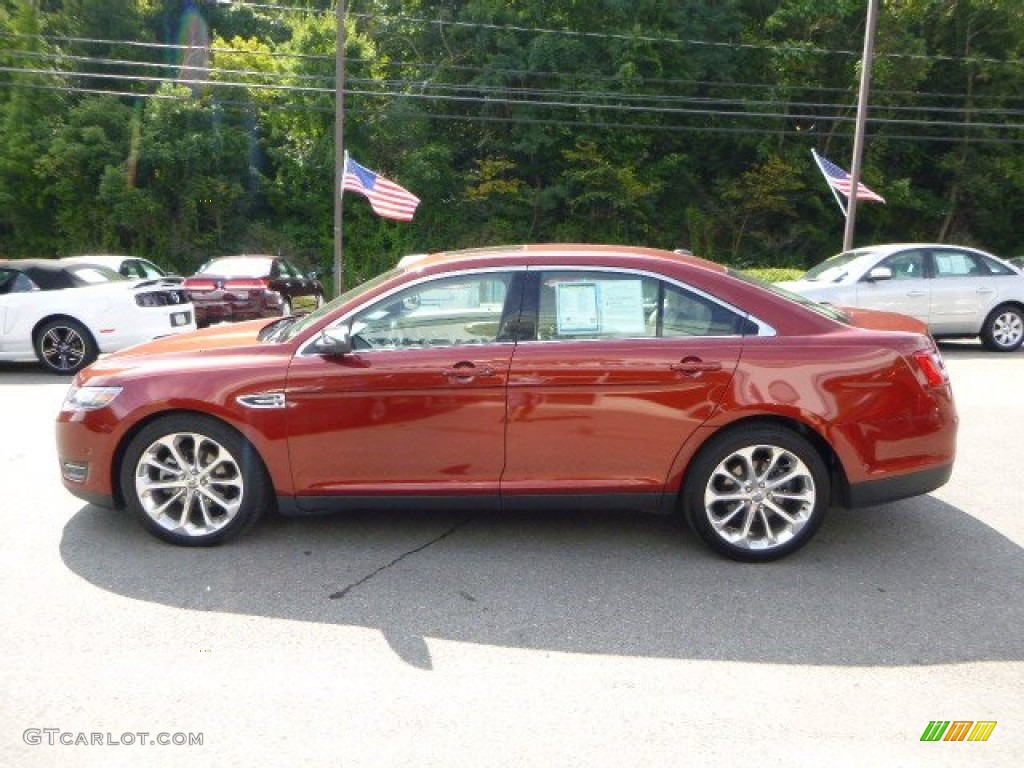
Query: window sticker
point(614, 307)
point(576, 308)
point(622, 307)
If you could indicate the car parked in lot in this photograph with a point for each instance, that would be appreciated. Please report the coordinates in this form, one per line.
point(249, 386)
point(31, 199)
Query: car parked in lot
point(65, 314)
point(558, 376)
point(959, 292)
point(131, 267)
point(246, 287)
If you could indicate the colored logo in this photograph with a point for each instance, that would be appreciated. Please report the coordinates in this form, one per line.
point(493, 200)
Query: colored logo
point(958, 730)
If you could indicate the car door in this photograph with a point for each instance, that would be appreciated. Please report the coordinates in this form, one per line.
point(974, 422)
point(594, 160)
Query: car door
point(963, 291)
point(623, 367)
point(418, 407)
point(907, 292)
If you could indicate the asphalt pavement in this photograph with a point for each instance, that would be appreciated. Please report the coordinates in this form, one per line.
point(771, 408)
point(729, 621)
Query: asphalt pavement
point(452, 639)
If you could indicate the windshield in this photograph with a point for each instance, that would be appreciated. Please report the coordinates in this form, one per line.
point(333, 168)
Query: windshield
point(834, 269)
point(289, 331)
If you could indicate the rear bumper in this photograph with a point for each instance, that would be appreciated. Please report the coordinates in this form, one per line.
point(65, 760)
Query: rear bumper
point(888, 489)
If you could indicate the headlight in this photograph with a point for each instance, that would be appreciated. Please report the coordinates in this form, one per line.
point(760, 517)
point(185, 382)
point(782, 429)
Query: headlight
point(89, 398)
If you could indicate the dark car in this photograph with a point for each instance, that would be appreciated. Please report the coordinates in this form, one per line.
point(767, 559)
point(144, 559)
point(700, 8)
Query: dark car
point(533, 376)
point(248, 287)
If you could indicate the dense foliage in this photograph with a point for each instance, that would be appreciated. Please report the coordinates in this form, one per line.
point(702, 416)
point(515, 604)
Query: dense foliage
point(179, 130)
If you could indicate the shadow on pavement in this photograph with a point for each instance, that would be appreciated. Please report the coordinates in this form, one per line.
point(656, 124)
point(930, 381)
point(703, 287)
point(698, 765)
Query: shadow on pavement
point(897, 585)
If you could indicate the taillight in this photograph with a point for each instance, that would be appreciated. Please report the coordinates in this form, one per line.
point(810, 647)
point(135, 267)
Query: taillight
point(246, 284)
point(931, 365)
point(200, 284)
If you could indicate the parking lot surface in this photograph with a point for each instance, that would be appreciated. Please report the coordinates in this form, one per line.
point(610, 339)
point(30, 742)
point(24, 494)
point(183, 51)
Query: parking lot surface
point(452, 639)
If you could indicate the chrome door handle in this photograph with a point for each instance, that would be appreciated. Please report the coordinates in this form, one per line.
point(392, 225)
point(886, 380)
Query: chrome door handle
point(693, 366)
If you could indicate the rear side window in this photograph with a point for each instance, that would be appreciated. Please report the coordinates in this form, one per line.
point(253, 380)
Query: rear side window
point(612, 305)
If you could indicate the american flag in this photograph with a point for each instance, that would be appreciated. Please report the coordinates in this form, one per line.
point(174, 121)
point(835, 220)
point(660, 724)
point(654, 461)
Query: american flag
point(840, 180)
point(386, 198)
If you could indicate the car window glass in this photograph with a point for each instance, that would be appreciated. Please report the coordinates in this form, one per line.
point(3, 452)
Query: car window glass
point(146, 269)
point(446, 312)
point(610, 305)
point(995, 267)
point(91, 275)
point(906, 265)
point(956, 264)
point(15, 282)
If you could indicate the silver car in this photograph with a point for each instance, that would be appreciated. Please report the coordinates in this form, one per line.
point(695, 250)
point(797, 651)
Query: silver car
point(959, 292)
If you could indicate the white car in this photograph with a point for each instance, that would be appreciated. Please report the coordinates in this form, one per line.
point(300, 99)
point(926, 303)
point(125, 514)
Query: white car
point(66, 314)
point(959, 292)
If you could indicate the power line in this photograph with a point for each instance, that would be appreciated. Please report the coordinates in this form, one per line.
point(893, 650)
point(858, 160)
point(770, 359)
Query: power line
point(519, 120)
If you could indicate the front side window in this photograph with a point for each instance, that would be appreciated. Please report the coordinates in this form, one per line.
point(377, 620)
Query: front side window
point(906, 265)
point(610, 305)
point(451, 311)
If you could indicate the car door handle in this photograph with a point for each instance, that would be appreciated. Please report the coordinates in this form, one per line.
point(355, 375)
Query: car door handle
point(915, 294)
point(986, 291)
point(694, 366)
point(467, 371)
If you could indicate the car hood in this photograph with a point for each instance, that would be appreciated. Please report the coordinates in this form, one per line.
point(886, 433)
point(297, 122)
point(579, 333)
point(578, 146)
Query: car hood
point(229, 336)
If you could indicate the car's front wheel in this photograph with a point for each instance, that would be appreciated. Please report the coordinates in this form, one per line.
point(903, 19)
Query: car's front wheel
point(65, 346)
point(756, 494)
point(193, 481)
point(1003, 330)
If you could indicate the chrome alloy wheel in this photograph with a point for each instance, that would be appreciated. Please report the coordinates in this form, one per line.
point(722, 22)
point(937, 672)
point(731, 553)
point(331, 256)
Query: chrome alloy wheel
point(760, 497)
point(189, 484)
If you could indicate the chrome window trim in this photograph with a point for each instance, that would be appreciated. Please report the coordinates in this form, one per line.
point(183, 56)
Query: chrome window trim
point(341, 321)
point(763, 329)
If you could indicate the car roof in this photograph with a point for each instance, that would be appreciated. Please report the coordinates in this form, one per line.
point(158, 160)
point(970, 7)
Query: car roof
point(48, 274)
point(890, 247)
point(544, 251)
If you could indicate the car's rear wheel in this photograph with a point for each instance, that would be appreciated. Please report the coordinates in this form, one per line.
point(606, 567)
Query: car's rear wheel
point(1003, 330)
point(65, 346)
point(756, 494)
point(193, 481)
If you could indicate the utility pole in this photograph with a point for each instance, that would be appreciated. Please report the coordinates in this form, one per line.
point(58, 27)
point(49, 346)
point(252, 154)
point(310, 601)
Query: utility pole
point(339, 148)
point(858, 133)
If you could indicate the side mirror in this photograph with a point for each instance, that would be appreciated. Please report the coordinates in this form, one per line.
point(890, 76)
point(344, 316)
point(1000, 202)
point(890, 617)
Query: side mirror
point(879, 273)
point(333, 342)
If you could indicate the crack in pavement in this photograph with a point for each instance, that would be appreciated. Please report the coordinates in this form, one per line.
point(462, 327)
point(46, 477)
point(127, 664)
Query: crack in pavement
point(341, 593)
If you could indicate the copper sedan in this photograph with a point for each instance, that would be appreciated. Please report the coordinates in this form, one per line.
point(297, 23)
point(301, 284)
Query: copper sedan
point(553, 376)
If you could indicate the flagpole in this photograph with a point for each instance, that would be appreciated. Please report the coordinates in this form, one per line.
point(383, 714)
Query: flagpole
point(858, 133)
point(340, 155)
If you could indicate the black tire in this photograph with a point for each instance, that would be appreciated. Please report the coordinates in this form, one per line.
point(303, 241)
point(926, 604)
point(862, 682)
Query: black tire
point(756, 494)
point(65, 346)
point(1003, 330)
point(220, 491)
